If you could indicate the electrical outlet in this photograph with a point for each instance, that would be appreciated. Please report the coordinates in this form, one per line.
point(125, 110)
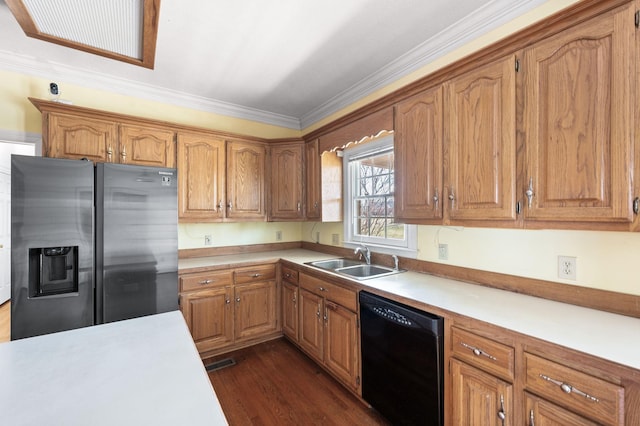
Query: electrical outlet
point(317, 236)
point(567, 267)
point(278, 235)
point(207, 240)
point(443, 251)
point(335, 239)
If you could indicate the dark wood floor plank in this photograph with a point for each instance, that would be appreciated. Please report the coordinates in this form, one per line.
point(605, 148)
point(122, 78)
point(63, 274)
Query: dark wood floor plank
point(275, 384)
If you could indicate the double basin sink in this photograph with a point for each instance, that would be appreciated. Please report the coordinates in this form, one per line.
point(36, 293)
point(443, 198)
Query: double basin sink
point(354, 268)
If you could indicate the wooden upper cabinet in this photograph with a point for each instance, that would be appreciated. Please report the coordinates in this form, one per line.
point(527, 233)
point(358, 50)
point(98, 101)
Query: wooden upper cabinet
point(481, 136)
point(313, 186)
point(147, 146)
point(578, 122)
point(77, 133)
point(72, 137)
point(201, 177)
point(286, 182)
point(418, 155)
point(246, 180)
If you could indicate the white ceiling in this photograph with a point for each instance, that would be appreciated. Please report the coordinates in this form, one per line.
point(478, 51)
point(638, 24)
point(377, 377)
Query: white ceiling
point(284, 62)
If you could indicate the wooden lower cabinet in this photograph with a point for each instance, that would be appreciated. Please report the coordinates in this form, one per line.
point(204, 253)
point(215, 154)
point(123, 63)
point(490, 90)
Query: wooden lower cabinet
point(290, 310)
point(496, 374)
point(540, 412)
point(328, 330)
point(478, 397)
point(229, 309)
point(255, 312)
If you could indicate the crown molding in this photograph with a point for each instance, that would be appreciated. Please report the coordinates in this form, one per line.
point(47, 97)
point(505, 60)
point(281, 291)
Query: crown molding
point(487, 18)
point(24, 64)
point(483, 20)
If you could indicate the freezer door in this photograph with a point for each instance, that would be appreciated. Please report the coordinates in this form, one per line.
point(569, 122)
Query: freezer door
point(51, 245)
point(136, 241)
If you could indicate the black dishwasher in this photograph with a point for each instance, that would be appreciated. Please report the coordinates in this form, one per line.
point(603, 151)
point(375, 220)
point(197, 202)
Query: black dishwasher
point(402, 361)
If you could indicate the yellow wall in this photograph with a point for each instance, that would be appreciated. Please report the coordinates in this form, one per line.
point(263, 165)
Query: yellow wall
point(605, 260)
point(18, 114)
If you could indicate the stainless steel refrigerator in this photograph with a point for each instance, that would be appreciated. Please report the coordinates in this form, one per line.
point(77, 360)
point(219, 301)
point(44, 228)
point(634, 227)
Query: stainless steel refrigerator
point(90, 243)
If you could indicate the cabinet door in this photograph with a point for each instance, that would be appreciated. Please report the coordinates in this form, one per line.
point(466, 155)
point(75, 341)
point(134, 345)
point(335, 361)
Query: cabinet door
point(290, 310)
point(543, 413)
point(246, 180)
point(255, 311)
point(478, 397)
point(311, 324)
point(481, 135)
point(341, 343)
point(146, 146)
point(286, 182)
point(313, 203)
point(578, 120)
point(72, 137)
point(201, 177)
point(418, 156)
point(209, 317)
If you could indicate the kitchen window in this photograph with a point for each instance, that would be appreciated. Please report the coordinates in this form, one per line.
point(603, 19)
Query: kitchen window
point(369, 188)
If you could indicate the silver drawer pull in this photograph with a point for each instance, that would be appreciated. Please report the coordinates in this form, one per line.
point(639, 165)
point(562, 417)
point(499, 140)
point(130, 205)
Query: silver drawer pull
point(478, 351)
point(322, 289)
point(567, 388)
point(256, 275)
point(204, 282)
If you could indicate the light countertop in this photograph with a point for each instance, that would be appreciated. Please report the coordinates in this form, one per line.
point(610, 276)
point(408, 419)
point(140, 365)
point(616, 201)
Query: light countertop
point(609, 336)
point(144, 371)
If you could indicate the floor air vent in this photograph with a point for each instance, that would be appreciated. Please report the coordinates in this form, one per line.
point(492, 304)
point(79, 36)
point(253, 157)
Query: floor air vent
point(227, 362)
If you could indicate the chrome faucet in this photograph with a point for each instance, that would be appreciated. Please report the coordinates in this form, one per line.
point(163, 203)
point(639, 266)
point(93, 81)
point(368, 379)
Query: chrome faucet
point(364, 252)
point(395, 262)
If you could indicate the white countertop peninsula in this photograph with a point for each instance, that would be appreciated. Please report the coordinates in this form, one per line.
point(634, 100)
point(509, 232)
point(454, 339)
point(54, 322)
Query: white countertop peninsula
point(609, 336)
point(144, 371)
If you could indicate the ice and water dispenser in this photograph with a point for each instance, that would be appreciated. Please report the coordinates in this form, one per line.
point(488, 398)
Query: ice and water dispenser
point(53, 270)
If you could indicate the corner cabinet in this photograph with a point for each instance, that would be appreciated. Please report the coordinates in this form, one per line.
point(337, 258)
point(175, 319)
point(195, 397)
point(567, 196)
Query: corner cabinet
point(418, 147)
point(578, 122)
point(480, 144)
point(286, 182)
point(290, 297)
point(229, 309)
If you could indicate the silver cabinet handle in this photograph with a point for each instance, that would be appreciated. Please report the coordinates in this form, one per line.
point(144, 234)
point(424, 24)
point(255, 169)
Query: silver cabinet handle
point(109, 153)
point(230, 205)
point(123, 154)
point(227, 301)
point(238, 299)
point(219, 206)
point(436, 199)
point(478, 351)
point(299, 206)
point(531, 421)
point(567, 388)
point(501, 413)
point(452, 196)
point(256, 275)
point(529, 192)
point(322, 289)
point(205, 282)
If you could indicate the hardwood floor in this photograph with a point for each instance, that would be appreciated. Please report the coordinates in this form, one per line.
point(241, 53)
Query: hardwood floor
point(275, 384)
point(5, 322)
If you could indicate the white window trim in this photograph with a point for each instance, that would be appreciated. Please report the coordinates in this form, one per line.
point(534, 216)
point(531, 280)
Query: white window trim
point(351, 241)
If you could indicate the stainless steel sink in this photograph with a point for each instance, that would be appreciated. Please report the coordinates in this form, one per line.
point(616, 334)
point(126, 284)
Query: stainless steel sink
point(361, 272)
point(333, 264)
point(354, 268)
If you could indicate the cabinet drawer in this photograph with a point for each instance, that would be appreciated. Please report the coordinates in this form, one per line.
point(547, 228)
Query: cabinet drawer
point(289, 275)
point(577, 391)
point(329, 291)
point(254, 274)
point(205, 280)
point(484, 353)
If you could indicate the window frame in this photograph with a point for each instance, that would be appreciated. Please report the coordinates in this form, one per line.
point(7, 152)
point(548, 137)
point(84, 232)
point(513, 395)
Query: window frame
point(408, 246)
